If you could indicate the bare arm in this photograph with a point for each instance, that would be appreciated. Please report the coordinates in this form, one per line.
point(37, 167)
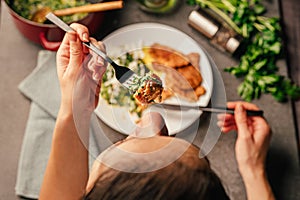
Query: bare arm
point(67, 170)
point(66, 174)
point(251, 148)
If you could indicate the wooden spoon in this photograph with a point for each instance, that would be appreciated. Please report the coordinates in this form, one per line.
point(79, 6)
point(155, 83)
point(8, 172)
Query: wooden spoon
point(40, 15)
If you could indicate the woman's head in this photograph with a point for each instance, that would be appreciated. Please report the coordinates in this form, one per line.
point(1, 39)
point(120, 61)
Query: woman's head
point(157, 167)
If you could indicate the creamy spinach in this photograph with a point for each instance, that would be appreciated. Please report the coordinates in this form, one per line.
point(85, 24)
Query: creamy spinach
point(26, 8)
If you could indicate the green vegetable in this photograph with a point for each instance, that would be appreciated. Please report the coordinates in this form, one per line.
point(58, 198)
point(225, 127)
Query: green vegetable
point(140, 81)
point(114, 93)
point(26, 8)
point(263, 40)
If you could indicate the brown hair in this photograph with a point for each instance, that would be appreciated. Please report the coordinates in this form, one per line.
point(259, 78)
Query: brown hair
point(189, 177)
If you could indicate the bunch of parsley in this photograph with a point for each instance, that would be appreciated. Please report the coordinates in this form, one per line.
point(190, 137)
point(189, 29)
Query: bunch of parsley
point(263, 38)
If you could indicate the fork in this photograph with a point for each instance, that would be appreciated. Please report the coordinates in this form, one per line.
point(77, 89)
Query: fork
point(124, 75)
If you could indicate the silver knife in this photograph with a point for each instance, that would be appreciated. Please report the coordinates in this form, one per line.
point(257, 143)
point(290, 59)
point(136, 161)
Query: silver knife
point(207, 109)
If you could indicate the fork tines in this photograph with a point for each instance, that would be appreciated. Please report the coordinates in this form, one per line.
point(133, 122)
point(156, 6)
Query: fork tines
point(129, 81)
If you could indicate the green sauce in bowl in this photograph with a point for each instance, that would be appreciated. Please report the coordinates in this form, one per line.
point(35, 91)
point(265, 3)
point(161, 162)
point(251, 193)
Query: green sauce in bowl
point(26, 8)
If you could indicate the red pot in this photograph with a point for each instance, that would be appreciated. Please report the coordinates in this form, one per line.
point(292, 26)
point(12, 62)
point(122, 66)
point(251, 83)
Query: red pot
point(49, 36)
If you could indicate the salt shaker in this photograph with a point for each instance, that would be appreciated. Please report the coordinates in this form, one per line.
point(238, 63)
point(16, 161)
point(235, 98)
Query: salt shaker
point(220, 35)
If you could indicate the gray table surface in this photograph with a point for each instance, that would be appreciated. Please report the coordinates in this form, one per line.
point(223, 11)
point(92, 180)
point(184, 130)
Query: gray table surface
point(18, 59)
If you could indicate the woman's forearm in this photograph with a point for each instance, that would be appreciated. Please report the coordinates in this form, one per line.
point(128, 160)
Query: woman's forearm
point(66, 174)
point(257, 185)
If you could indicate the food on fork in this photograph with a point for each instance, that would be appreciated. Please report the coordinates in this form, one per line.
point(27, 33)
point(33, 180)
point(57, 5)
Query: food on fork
point(149, 89)
point(146, 88)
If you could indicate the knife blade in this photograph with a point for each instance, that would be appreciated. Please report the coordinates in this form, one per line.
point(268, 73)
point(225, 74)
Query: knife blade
point(207, 109)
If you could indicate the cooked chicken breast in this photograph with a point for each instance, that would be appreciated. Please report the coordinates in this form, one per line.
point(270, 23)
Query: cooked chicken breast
point(182, 72)
point(167, 56)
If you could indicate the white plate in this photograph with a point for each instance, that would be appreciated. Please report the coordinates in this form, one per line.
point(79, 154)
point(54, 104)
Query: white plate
point(135, 36)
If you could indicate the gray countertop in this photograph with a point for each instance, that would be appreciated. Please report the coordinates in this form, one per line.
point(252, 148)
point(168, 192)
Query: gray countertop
point(18, 58)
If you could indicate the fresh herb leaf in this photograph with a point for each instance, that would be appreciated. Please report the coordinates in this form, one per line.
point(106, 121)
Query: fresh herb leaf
point(263, 39)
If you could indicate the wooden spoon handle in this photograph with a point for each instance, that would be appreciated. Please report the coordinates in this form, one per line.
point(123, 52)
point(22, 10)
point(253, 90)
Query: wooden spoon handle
point(90, 8)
